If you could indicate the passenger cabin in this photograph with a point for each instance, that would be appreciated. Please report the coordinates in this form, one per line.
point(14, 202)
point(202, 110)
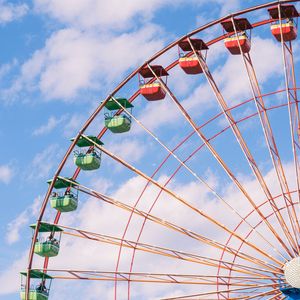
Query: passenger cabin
point(91, 159)
point(152, 90)
point(39, 288)
point(63, 182)
point(47, 247)
point(189, 62)
point(238, 40)
point(283, 24)
point(118, 123)
point(67, 201)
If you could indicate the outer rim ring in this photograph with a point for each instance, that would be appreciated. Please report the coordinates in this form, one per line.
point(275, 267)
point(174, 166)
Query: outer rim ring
point(100, 107)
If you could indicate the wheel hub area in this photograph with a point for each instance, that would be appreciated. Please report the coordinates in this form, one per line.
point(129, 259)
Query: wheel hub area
point(292, 272)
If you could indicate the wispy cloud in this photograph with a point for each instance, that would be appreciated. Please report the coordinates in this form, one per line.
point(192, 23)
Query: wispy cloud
point(43, 163)
point(70, 61)
point(16, 225)
point(51, 124)
point(10, 12)
point(6, 174)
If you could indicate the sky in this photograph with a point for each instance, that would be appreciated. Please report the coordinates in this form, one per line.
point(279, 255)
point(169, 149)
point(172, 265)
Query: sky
point(58, 61)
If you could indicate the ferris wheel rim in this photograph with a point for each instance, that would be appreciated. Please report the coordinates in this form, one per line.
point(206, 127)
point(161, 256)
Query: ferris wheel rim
point(131, 76)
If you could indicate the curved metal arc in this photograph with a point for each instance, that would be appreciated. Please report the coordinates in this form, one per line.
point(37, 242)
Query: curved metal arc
point(199, 178)
point(102, 132)
point(117, 88)
point(45, 201)
point(190, 156)
point(273, 268)
point(248, 235)
point(180, 199)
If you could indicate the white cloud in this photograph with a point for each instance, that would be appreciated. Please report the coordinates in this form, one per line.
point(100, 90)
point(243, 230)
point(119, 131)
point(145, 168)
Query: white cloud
point(15, 226)
point(101, 14)
point(51, 124)
point(116, 14)
point(73, 60)
point(228, 6)
point(43, 163)
point(6, 174)
point(132, 150)
point(10, 278)
point(99, 217)
point(10, 12)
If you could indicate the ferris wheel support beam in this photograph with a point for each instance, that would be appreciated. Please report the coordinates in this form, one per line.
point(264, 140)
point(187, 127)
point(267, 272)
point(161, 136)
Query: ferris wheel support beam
point(169, 278)
point(272, 268)
point(292, 100)
point(261, 295)
point(277, 296)
point(192, 297)
point(271, 143)
point(248, 235)
point(181, 200)
point(171, 253)
point(245, 149)
point(193, 173)
point(216, 155)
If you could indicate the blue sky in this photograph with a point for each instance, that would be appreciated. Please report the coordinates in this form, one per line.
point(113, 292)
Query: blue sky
point(59, 59)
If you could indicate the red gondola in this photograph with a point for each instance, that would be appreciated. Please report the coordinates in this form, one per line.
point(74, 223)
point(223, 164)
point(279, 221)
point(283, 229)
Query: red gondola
point(152, 90)
point(240, 41)
point(190, 64)
point(287, 27)
point(232, 44)
point(289, 31)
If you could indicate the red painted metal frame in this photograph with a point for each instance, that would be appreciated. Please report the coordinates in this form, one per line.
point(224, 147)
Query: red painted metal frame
point(251, 231)
point(97, 111)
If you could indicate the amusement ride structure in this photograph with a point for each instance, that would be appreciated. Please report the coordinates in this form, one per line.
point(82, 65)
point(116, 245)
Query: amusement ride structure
point(250, 249)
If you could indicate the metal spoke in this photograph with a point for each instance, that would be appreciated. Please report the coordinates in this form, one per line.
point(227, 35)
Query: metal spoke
point(170, 278)
point(219, 159)
point(171, 253)
point(292, 100)
point(275, 269)
point(175, 196)
point(199, 178)
point(271, 143)
point(225, 291)
point(247, 154)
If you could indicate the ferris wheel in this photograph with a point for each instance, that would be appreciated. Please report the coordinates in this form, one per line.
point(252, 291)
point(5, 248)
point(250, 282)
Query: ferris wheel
point(210, 209)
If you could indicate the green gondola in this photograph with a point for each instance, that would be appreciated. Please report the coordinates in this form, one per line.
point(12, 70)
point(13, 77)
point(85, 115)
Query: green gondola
point(63, 182)
point(50, 246)
point(34, 295)
point(87, 161)
point(90, 160)
point(117, 123)
point(46, 249)
point(64, 203)
point(41, 291)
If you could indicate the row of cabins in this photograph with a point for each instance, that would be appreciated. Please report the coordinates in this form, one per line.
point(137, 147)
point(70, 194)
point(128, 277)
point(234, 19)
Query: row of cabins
point(119, 121)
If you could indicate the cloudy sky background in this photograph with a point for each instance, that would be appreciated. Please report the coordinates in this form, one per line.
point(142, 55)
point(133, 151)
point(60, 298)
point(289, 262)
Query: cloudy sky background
point(59, 59)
